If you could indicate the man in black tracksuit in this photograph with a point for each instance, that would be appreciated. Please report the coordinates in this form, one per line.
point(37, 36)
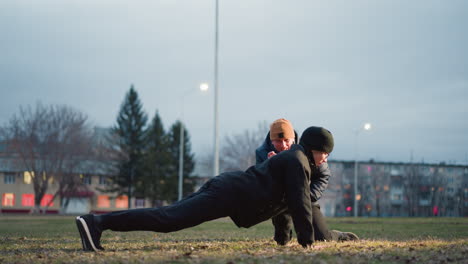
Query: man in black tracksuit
point(280, 184)
point(279, 138)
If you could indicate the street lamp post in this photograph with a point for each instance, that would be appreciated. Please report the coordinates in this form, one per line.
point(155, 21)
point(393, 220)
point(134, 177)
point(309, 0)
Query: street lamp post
point(181, 160)
point(357, 197)
point(215, 88)
point(203, 88)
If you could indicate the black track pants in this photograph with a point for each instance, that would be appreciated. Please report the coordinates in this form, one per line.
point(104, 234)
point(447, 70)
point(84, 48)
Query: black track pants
point(204, 205)
point(321, 231)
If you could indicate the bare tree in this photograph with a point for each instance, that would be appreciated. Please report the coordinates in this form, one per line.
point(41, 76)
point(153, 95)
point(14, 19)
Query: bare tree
point(377, 181)
point(50, 142)
point(413, 188)
point(438, 190)
point(238, 150)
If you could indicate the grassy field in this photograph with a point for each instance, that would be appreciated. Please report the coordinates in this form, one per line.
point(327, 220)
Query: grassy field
point(54, 239)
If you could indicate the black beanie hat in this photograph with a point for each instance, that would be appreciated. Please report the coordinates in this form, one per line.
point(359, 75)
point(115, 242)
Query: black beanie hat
point(317, 138)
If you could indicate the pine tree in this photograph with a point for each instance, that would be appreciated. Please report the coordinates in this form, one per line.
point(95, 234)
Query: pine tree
point(129, 130)
point(189, 164)
point(156, 162)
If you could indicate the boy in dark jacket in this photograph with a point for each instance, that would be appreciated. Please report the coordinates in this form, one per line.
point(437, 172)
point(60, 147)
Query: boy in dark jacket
point(280, 184)
point(280, 137)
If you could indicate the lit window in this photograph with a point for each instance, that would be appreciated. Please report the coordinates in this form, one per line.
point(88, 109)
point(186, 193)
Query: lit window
point(46, 199)
point(121, 201)
point(27, 199)
point(28, 175)
point(358, 197)
point(8, 199)
point(9, 178)
point(103, 201)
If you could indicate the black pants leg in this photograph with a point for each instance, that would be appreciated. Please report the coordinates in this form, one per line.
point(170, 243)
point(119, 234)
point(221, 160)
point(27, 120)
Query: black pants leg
point(204, 205)
point(321, 231)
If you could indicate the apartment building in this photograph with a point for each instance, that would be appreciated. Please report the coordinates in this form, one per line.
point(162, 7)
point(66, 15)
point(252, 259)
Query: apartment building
point(397, 189)
point(17, 193)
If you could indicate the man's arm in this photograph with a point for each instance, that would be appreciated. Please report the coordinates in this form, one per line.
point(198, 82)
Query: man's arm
point(298, 199)
point(319, 181)
point(283, 228)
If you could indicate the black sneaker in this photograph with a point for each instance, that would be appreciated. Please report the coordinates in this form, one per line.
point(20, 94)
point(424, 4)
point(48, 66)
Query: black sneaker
point(345, 236)
point(90, 235)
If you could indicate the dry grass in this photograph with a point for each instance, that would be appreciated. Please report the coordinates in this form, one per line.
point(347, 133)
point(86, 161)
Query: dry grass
point(392, 240)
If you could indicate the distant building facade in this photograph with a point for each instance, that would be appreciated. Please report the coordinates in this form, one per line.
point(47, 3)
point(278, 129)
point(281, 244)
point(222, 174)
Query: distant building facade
point(17, 194)
point(397, 189)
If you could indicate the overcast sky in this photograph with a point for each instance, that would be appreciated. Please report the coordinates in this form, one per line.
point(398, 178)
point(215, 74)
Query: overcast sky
point(400, 65)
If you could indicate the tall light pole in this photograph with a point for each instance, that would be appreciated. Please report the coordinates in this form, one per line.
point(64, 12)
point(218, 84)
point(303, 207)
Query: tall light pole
point(357, 197)
point(203, 88)
point(216, 117)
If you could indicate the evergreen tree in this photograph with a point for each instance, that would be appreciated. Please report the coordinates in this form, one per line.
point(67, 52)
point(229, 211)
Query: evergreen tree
point(129, 131)
point(156, 162)
point(189, 163)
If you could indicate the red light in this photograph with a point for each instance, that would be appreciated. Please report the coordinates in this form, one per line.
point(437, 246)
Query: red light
point(349, 208)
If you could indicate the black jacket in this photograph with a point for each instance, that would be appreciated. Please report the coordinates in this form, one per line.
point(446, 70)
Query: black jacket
point(281, 183)
point(317, 186)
